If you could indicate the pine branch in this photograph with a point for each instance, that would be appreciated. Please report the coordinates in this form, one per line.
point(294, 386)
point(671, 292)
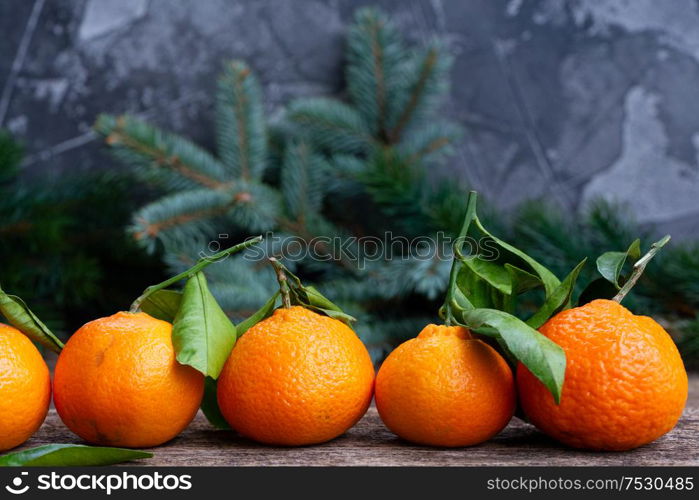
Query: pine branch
point(612, 224)
point(673, 281)
point(56, 248)
point(199, 212)
point(426, 84)
point(362, 290)
point(257, 207)
point(241, 285)
point(302, 178)
point(445, 206)
point(669, 282)
point(431, 142)
point(167, 158)
point(343, 175)
point(20, 215)
point(399, 189)
point(427, 276)
point(315, 231)
point(375, 56)
point(387, 280)
point(330, 124)
point(11, 154)
point(241, 130)
point(278, 132)
point(381, 335)
point(689, 342)
point(543, 232)
point(180, 216)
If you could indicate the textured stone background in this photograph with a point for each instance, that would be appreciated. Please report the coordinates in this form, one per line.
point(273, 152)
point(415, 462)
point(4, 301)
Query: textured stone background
point(564, 99)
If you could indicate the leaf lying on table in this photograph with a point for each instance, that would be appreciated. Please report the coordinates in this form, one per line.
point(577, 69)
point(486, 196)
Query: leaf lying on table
point(52, 455)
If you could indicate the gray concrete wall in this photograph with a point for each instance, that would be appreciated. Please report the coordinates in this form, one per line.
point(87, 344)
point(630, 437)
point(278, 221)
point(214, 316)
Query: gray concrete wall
point(568, 100)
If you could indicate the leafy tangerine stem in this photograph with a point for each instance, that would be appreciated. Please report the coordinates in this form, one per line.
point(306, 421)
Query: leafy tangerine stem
point(201, 264)
point(458, 247)
point(280, 271)
point(639, 267)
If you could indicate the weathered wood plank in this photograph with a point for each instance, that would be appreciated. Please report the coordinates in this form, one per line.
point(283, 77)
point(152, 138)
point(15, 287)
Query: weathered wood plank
point(370, 443)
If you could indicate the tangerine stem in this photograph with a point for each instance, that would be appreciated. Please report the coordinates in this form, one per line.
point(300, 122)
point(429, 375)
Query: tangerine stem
point(201, 264)
point(445, 310)
point(284, 289)
point(639, 267)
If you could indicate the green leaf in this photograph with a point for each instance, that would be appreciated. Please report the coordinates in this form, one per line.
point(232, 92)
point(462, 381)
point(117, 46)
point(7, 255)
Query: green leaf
point(460, 301)
point(473, 288)
point(611, 264)
point(163, 304)
point(202, 334)
point(545, 359)
point(315, 298)
point(70, 455)
point(481, 296)
point(548, 279)
point(558, 300)
point(22, 318)
point(488, 284)
point(262, 313)
point(509, 357)
point(307, 296)
point(491, 272)
point(318, 302)
point(209, 405)
point(522, 281)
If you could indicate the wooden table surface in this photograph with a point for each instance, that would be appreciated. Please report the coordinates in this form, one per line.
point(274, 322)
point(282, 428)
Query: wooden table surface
point(369, 443)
